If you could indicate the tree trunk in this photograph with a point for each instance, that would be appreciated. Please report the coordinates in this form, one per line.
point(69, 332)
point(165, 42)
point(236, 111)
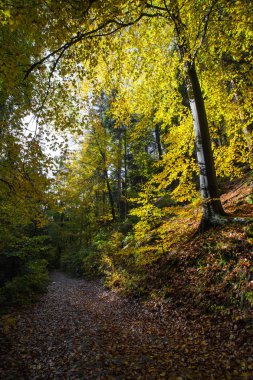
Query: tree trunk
point(111, 200)
point(212, 207)
point(120, 181)
point(158, 141)
point(125, 181)
point(60, 243)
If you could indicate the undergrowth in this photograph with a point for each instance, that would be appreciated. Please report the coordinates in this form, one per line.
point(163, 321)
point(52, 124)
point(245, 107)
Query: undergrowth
point(164, 259)
point(24, 288)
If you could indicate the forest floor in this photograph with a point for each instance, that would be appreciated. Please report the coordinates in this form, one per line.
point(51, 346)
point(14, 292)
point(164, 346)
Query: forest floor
point(79, 330)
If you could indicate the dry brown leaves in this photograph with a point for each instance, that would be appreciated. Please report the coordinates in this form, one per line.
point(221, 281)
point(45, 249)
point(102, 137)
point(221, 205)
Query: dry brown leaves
point(80, 331)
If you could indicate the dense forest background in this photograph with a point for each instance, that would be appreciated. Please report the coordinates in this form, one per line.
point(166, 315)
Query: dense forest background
point(156, 99)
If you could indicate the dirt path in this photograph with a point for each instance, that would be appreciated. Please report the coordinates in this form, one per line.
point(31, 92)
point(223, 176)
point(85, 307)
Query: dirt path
point(80, 331)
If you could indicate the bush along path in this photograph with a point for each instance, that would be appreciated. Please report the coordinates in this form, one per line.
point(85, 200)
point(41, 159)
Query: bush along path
point(78, 330)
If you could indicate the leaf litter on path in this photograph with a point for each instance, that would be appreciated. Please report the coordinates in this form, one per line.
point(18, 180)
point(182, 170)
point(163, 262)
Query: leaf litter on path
point(78, 330)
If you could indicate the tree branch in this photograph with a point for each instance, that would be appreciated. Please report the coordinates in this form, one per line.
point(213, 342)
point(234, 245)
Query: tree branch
point(77, 38)
point(10, 186)
point(151, 6)
point(89, 34)
point(202, 37)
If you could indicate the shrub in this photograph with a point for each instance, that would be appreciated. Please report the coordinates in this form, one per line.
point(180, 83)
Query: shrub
point(25, 287)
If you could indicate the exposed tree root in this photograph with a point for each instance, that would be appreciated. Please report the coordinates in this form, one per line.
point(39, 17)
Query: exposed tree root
point(220, 220)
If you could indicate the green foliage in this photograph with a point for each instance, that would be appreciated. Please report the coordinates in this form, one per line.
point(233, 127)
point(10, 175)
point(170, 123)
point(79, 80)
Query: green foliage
point(150, 217)
point(85, 262)
point(249, 297)
point(91, 264)
point(71, 262)
point(148, 214)
point(249, 199)
point(25, 287)
point(249, 230)
point(128, 195)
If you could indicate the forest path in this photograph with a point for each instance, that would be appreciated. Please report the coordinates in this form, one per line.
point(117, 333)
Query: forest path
point(78, 330)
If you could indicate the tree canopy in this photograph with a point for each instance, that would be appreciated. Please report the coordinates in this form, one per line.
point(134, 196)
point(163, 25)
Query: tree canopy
point(157, 97)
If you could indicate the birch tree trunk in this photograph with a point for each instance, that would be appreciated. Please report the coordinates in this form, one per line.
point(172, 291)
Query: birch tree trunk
point(212, 207)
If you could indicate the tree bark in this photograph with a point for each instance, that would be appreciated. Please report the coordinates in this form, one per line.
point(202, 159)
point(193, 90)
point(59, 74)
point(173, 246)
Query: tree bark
point(212, 207)
point(158, 141)
point(106, 177)
point(124, 203)
point(111, 200)
point(121, 202)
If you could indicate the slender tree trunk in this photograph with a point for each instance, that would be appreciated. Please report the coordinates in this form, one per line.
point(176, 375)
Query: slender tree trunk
point(125, 182)
point(158, 141)
point(111, 200)
point(106, 177)
point(212, 207)
point(248, 135)
point(103, 202)
point(97, 211)
point(120, 197)
point(60, 242)
point(247, 130)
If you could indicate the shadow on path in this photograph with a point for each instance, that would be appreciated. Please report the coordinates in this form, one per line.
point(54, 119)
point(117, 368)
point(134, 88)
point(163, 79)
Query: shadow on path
point(78, 330)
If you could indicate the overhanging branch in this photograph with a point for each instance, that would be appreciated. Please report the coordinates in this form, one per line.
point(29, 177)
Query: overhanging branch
point(201, 35)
